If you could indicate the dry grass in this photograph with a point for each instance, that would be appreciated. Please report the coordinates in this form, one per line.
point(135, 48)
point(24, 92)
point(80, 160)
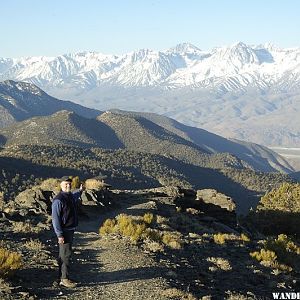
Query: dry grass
point(138, 229)
point(172, 240)
point(34, 245)
point(244, 238)
point(153, 246)
point(236, 296)
point(219, 263)
point(25, 227)
point(109, 226)
point(51, 184)
point(148, 218)
point(9, 262)
point(94, 184)
point(221, 238)
point(268, 258)
point(174, 293)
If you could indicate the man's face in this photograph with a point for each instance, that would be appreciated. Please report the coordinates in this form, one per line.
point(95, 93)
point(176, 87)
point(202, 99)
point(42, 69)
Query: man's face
point(65, 186)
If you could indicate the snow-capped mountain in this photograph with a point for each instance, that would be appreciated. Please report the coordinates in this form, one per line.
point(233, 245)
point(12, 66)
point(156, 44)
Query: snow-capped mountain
point(231, 90)
point(230, 68)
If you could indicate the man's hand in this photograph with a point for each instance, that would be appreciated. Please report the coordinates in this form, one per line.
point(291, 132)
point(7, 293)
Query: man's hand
point(82, 188)
point(61, 240)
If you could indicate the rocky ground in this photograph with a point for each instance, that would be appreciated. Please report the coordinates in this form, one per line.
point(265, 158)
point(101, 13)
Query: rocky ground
point(113, 267)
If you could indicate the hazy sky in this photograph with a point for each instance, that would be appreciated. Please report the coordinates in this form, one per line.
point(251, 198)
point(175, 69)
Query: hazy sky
point(53, 27)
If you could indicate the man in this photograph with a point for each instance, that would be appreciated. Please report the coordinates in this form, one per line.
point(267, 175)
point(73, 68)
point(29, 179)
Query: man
point(65, 220)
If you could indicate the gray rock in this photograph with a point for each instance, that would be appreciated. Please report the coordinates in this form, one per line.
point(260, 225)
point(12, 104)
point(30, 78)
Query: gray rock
point(213, 197)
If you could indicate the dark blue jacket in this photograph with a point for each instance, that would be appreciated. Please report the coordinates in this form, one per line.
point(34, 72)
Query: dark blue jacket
point(64, 212)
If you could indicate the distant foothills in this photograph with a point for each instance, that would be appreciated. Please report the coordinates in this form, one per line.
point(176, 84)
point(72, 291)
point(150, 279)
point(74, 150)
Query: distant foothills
point(247, 92)
point(44, 136)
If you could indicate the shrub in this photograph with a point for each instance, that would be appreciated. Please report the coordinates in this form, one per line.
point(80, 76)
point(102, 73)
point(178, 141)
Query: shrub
point(75, 182)
point(34, 245)
point(285, 198)
point(264, 255)
point(51, 184)
point(244, 238)
point(137, 229)
point(148, 218)
point(1, 201)
point(286, 250)
point(279, 210)
point(152, 234)
point(153, 246)
point(22, 227)
point(171, 240)
point(219, 263)
point(125, 225)
point(109, 226)
point(9, 262)
point(268, 258)
point(219, 238)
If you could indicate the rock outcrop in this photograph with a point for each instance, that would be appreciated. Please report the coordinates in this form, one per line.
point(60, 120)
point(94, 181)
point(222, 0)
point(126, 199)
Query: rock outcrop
point(212, 206)
point(211, 196)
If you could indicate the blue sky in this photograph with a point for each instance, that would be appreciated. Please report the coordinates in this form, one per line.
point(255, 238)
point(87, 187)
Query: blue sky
point(52, 27)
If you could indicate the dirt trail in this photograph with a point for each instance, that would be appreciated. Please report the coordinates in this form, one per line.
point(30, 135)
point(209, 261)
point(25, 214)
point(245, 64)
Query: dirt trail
point(111, 268)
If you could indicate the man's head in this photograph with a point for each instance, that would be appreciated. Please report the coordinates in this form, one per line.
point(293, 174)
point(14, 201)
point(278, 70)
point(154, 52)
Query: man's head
point(66, 184)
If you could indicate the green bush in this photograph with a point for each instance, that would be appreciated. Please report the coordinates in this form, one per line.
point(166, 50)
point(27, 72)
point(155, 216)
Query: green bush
point(286, 198)
point(279, 211)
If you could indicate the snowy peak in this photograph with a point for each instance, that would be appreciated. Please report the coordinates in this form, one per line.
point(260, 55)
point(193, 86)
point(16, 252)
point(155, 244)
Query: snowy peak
point(10, 85)
point(238, 55)
point(185, 48)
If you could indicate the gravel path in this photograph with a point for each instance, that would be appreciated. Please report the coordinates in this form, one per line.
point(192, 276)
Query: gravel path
point(111, 268)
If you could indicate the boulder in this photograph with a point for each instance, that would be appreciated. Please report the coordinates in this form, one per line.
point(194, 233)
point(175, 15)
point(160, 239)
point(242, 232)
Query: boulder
point(173, 191)
point(34, 199)
point(211, 204)
point(101, 197)
point(213, 197)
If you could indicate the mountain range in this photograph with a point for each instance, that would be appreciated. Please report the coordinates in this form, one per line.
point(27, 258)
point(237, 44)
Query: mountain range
point(238, 91)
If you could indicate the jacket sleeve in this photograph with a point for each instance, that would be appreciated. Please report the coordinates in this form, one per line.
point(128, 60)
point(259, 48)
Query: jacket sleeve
point(77, 196)
point(56, 217)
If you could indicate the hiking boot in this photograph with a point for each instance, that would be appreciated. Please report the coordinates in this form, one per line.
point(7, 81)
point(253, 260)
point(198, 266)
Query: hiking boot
point(68, 283)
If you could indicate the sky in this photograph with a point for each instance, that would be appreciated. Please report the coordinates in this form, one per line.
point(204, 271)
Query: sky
point(55, 27)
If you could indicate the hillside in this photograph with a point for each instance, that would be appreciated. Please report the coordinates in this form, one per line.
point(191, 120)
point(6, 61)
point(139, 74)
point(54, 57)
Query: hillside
point(61, 128)
point(111, 131)
point(20, 101)
point(257, 156)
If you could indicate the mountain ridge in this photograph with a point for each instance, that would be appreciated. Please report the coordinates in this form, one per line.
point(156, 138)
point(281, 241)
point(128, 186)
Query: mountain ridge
point(20, 101)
